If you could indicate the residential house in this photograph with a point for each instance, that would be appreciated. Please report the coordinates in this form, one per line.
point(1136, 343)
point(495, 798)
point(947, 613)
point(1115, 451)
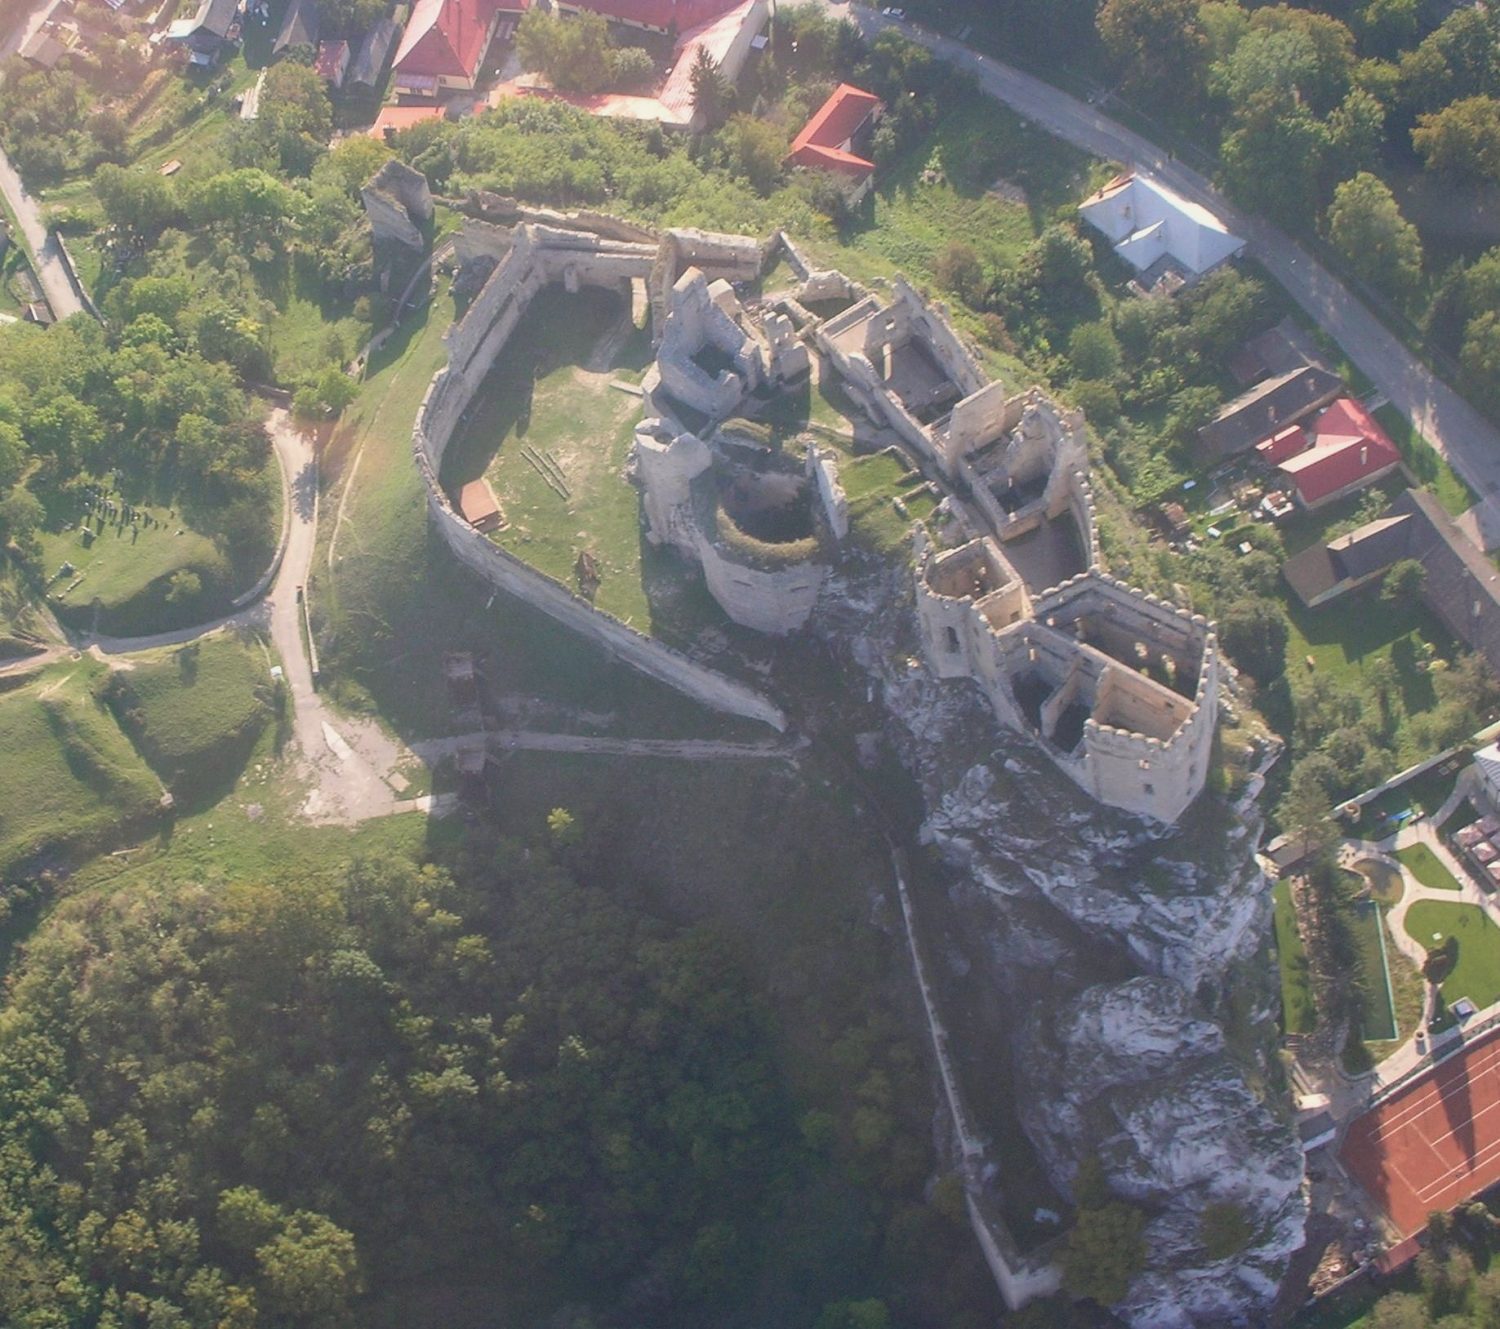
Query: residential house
point(374, 52)
point(1267, 409)
point(833, 140)
point(299, 27)
point(1347, 451)
point(1147, 223)
point(444, 46)
point(42, 49)
point(1462, 587)
point(206, 32)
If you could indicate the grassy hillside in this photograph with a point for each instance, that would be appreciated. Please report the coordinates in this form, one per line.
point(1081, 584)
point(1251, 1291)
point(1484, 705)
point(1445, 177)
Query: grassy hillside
point(70, 780)
point(196, 712)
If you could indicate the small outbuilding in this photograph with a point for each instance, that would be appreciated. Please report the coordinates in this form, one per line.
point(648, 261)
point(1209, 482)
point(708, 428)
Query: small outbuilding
point(480, 507)
point(332, 62)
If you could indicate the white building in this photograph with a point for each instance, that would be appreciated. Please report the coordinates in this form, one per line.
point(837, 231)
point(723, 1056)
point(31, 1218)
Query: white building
point(1147, 222)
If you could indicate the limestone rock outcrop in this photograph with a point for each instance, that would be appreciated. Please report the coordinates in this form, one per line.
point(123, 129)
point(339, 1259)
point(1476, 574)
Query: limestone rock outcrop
point(1131, 1074)
point(1093, 955)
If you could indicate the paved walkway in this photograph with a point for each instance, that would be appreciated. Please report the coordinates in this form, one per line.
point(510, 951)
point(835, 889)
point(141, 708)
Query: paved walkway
point(1469, 442)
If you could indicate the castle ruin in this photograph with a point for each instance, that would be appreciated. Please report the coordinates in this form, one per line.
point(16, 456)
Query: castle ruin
point(1119, 688)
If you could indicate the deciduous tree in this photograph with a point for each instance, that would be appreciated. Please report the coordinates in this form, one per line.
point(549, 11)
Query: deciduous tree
point(1157, 43)
point(1379, 244)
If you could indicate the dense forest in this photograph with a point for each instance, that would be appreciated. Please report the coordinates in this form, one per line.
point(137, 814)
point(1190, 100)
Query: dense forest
point(313, 1102)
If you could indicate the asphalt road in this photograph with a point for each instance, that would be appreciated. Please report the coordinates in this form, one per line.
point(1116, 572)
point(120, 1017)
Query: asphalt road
point(1469, 442)
point(51, 271)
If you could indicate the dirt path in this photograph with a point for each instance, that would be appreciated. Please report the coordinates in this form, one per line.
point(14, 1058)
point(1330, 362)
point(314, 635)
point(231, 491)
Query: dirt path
point(352, 765)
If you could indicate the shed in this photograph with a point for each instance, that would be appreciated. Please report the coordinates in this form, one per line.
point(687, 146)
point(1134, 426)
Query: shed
point(479, 506)
point(332, 62)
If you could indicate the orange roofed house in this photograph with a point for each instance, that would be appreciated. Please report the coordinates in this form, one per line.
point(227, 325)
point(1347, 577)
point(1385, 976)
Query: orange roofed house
point(445, 43)
point(828, 141)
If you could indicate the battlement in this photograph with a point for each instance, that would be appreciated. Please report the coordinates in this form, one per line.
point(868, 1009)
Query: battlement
point(1119, 687)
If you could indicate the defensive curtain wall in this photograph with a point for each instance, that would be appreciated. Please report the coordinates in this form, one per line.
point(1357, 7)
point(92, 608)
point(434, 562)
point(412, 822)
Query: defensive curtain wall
point(537, 256)
point(1079, 649)
point(976, 614)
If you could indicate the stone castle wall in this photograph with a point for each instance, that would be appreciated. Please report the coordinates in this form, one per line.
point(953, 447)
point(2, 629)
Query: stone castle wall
point(775, 601)
point(538, 256)
point(986, 638)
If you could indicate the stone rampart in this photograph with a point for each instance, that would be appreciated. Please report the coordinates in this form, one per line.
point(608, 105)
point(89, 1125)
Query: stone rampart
point(776, 601)
point(823, 466)
point(473, 346)
point(948, 349)
point(732, 258)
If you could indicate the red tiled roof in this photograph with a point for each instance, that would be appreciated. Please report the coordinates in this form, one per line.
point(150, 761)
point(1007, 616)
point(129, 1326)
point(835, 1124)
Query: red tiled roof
point(1288, 443)
point(445, 37)
point(396, 118)
point(1348, 446)
point(333, 57)
point(836, 121)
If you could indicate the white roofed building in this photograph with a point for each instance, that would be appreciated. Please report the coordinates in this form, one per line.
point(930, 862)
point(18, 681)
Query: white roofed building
point(1146, 222)
point(1487, 767)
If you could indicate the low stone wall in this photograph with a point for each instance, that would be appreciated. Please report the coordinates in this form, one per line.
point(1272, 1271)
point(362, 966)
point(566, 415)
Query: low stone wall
point(495, 313)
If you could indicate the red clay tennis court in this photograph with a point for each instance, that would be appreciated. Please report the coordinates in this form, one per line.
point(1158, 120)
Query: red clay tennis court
point(1434, 1143)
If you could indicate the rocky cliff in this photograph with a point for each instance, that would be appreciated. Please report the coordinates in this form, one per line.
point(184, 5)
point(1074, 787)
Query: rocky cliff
point(1096, 958)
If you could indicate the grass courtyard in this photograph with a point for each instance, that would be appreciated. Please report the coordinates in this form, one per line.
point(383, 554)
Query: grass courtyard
point(1427, 868)
point(388, 599)
point(1476, 972)
point(540, 401)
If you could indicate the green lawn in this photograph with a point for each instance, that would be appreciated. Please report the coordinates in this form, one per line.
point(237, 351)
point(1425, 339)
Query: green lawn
point(1423, 461)
point(70, 779)
point(123, 570)
point(196, 711)
point(121, 562)
point(1427, 868)
point(538, 397)
point(986, 178)
point(1377, 1019)
point(1344, 638)
point(874, 486)
point(1297, 1011)
point(1476, 973)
